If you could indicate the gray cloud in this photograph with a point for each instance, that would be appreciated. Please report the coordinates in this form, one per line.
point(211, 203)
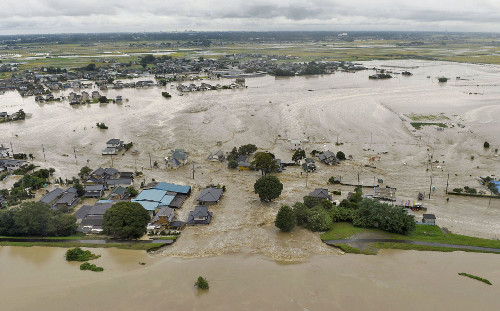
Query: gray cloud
point(48, 16)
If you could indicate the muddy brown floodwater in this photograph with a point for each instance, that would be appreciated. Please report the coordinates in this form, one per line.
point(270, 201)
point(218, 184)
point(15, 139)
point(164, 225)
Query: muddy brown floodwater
point(241, 252)
point(40, 279)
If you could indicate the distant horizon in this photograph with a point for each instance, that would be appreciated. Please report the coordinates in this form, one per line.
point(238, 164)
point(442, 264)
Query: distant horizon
point(251, 31)
point(20, 17)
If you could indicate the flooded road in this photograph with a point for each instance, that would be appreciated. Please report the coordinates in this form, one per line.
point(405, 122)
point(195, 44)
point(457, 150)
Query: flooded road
point(37, 278)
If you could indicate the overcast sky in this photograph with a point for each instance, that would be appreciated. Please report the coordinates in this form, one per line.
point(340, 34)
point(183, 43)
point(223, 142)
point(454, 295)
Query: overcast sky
point(58, 16)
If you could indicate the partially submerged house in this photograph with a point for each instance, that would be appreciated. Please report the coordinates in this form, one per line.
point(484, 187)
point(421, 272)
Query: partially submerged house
point(328, 157)
point(200, 216)
point(429, 219)
point(119, 194)
point(4, 152)
point(11, 165)
point(113, 146)
point(178, 158)
point(217, 156)
point(59, 198)
point(309, 165)
point(210, 196)
point(320, 193)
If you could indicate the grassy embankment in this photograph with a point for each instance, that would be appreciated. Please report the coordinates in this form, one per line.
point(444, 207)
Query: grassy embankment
point(63, 242)
point(423, 233)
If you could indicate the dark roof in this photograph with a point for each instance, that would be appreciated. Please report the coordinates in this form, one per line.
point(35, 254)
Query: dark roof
point(176, 224)
point(71, 190)
point(119, 181)
point(119, 190)
point(51, 196)
point(202, 212)
point(94, 188)
point(163, 211)
point(178, 200)
point(242, 158)
point(99, 172)
point(100, 208)
point(113, 141)
point(111, 171)
point(320, 194)
point(67, 198)
point(126, 175)
point(92, 220)
point(429, 216)
point(210, 195)
point(83, 211)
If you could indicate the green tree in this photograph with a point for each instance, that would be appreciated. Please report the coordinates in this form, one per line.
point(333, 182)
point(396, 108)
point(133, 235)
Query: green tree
point(232, 164)
point(132, 191)
point(300, 210)
point(373, 214)
point(268, 187)
point(264, 162)
point(486, 145)
point(103, 99)
point(318, 219)
point(126, 220)
point(340, 155)
point(298, 155)
point(85, 172)
point(285, 219)
point(247, 149)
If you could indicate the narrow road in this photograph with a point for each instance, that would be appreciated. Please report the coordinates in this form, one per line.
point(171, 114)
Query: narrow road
point(477, 248)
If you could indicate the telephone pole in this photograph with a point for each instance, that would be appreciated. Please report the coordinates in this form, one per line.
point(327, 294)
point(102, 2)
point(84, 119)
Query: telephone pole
point(43, 149)
point(74, 151)
point(447, 182)
point(151, 165)
point(193, 170)
point(11, 149)
point(430, 188)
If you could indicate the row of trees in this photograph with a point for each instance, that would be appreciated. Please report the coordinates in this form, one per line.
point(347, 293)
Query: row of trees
point(319, 215)
point(36, 219)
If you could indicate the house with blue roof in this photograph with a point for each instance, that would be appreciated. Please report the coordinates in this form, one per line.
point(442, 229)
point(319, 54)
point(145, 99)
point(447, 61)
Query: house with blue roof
point(173, 188)
point(151, 199)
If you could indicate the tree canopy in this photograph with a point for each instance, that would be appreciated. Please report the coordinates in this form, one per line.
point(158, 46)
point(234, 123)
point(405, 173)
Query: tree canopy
point(298, 155)
point(373, 214)
point(126, 220)
point(36, 219)
point(268, 187)
point(264, 162)
point(285, 219)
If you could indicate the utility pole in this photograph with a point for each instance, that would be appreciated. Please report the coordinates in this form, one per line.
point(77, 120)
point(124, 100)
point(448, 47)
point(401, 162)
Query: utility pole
point(371, 139)
point(111, 160)
point(43, 149)
point(151, 165)
point(447, 182)
point(430, 188)
point(11, 149)
point(307, 175)
point(193, 170)
point(358, 178)
point(74, 151)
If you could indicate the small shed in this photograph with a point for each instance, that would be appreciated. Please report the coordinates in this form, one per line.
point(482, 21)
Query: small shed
point(429, 219)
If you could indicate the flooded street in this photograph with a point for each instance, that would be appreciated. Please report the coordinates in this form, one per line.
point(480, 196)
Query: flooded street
point(40, 278)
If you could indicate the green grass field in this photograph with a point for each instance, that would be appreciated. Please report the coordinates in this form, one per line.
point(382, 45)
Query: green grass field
point(423, 233)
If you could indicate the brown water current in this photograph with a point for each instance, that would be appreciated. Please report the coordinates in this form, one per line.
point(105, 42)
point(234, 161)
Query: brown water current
point(40, 279)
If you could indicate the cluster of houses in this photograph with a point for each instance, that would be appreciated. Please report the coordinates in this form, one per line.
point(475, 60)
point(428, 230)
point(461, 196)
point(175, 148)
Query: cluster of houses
point(106, 178)
point(61, 199)
point(5, 117)
point(240, 83)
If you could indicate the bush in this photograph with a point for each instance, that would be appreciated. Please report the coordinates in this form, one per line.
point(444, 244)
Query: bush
point(486, 144)
point(285, 219)
point(342, 214)
point(91, 267)
point(336, 192)
point(78, 254)
point(458, 190)
point(202, 283)
point(102, 126)
point(340, 155)
point(166, 94)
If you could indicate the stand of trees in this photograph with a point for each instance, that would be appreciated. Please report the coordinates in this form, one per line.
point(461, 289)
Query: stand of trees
point(36, 219)
point(268, 187)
